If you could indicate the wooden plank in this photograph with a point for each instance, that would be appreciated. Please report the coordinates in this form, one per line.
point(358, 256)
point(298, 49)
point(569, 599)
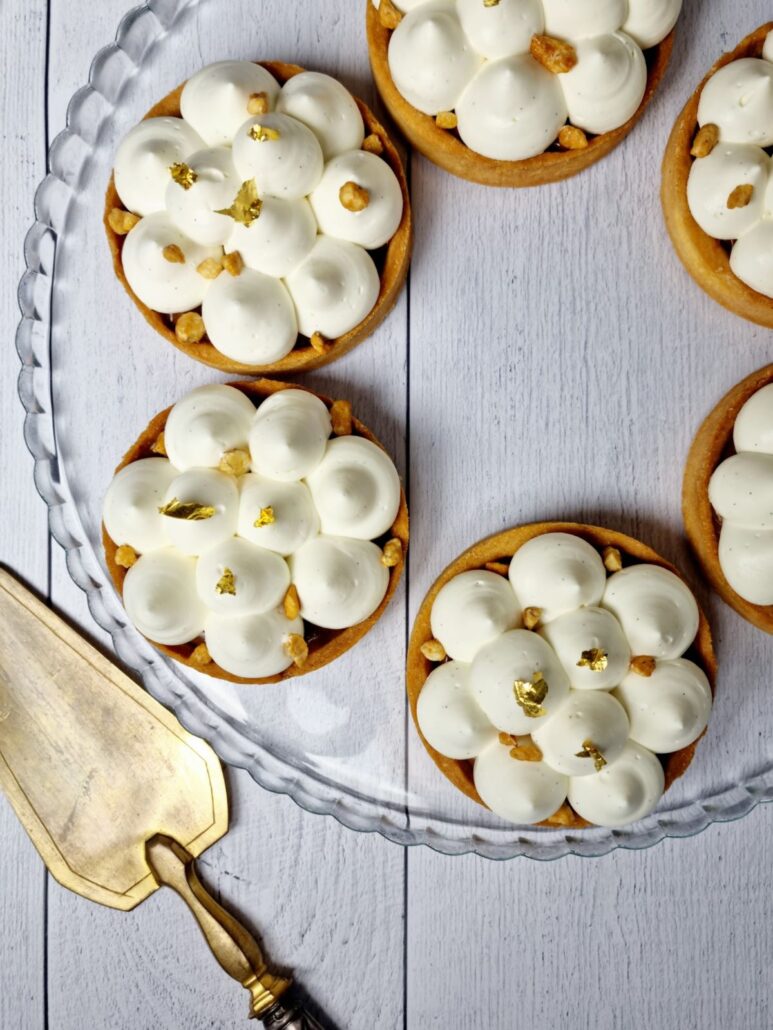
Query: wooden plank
point(328, 902)
point(23, 542)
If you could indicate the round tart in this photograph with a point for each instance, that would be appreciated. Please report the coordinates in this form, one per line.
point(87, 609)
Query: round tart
point(518, 92)
point(561, 674)
point(716, 180)
point(726, 498)
point(255, 531)
point(259, 218)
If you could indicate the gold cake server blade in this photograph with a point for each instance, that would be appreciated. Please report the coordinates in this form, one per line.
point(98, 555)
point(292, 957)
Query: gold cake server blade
point(117, 797)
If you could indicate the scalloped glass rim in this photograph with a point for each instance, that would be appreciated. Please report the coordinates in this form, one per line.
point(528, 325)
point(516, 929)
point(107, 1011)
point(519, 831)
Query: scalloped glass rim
point(113, 67)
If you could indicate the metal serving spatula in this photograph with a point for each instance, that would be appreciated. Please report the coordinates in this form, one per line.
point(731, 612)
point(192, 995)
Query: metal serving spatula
point(117, 797)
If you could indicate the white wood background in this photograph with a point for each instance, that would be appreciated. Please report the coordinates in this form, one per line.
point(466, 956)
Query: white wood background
point(677, 936)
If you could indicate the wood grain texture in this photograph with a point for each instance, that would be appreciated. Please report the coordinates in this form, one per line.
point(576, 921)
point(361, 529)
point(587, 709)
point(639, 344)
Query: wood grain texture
point(521, 306)
point(23, 540)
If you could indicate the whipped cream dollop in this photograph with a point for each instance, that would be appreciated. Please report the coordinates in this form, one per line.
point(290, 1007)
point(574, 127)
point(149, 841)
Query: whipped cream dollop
point(741, 492)
point(161, 284)
point(224, 197)
point(225, 529)
point(567, 700)
point(476, 59)
point(730, 189)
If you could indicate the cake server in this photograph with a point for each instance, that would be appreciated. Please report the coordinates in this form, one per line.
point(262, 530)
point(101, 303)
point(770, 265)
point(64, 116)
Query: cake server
point(117, 797)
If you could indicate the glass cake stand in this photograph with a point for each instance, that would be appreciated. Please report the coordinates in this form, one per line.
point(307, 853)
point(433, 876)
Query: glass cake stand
point(340, 742)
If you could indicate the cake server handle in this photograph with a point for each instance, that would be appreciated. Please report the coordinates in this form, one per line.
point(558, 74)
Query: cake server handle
point(232, 944)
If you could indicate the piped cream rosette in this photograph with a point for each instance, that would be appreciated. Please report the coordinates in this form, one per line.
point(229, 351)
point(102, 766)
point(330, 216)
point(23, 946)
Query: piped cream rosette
point(255, 531)
point(552, 685)
point(260, 218)
point(514, 77)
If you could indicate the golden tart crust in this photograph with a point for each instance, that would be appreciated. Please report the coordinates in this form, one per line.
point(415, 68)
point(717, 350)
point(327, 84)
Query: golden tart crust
point(444, 147)
point(392, 265)
point(712, 444)
point(705, 258)
point(324, 645)
point(500, 549)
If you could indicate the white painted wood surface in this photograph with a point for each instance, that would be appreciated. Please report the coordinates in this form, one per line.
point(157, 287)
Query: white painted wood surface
point(680, 935)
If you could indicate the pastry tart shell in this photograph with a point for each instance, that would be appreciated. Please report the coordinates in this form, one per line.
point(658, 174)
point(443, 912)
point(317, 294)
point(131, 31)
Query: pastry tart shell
point(501, 548)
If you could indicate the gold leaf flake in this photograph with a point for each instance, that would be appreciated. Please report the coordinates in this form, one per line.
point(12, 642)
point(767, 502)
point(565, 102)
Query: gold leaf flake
point(594, 659)
point(491, 3)
point(590, 750)
point(247, 204)
point(529, 695)
point(227, 583)
point(189, 511)
point(183, 174)
point(264, 134)
point(266, 518)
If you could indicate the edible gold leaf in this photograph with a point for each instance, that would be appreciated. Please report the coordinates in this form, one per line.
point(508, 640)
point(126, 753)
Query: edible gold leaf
point(266, 518)
point(183, 174)
point(190, 511)
point(529, 695)
point(590, 750)
point(263, 134)
point(226, 584)
point(247, 205)
point(595, 659)
point(490, 3)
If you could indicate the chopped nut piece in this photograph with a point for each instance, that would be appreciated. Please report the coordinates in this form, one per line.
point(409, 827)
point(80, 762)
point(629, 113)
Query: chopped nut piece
point(210, 268)
point(572, 138)
point(373, 144)
point(174, 254)
point(190, 328)
point(643, 665)
point(741, 196)
point(498, 566)
point(705, 140)
point(258, 103)
point(320, 344)
point(389, 15)
point(393, 553)
point(159, 445)
point(200, 655)
point(341, 418)
point(612, 558)
point(264, 134)
point(233, 263)
point(554, 54)
point(125, 556)
point(531, 617)
point(122, 222)
point(292, 603)
point(446, 120)
point(235, 462)
point(353, 197)
point(266, 518)
point(183, 175)
point(297, 649)
point(433, 651)
point(524, 749)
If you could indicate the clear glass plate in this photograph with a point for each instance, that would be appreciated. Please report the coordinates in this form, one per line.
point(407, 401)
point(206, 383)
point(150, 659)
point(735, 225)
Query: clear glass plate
point(339, 742)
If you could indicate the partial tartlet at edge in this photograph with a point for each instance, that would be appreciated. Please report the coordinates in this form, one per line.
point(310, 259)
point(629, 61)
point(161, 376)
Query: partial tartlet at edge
point(445, 149)
point(324, 645)
point(393, 269)
point(501, 548)
point(704, 257)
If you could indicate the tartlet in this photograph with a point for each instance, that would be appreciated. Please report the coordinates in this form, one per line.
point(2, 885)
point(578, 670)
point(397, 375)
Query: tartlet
point(444, 147)
point(494, 555)
point(712, 445)
point(322, 645)
point(391, 260)
point(705, 257)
